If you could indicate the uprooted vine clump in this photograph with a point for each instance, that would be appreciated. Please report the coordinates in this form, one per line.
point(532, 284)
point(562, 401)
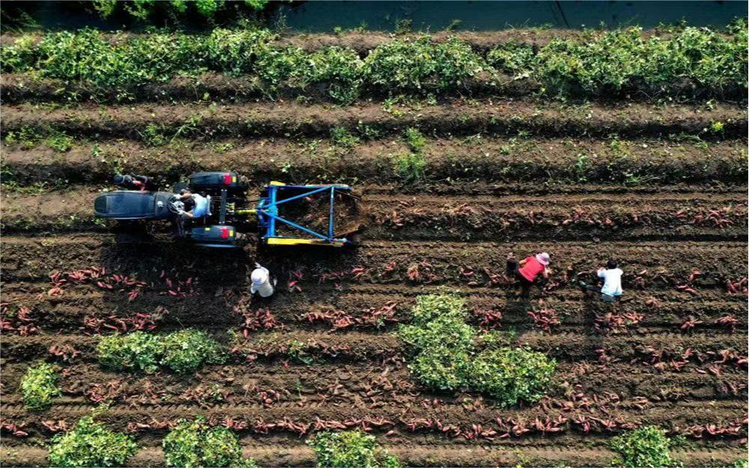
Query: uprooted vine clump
point(183, 351)
point(350, 448)
point(444, 355)
point(91, 444)
point(194, 444)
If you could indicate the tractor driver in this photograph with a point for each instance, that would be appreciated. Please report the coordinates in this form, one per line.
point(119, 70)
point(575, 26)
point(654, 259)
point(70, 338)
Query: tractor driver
point(195, 206)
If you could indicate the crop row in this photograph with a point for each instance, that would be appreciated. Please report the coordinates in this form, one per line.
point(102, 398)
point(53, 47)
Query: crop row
point(30, 159)
point(160, 124)
point(696, 60)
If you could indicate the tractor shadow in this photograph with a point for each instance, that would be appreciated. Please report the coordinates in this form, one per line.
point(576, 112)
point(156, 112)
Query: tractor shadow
point(179, 285)
point(175, 284)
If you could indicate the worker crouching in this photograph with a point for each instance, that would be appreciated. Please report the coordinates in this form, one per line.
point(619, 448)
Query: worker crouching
point(262, 283)
point(528, 270)
point(611, 276)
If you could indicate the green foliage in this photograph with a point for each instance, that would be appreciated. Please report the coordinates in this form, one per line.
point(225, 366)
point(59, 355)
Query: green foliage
point(343, 138)
point(410, 166)
point(183, 351)
point(512, 58)
point(647, 447)
point(19, 57)
point(59, 141)
point(208, 8)
point(90, 444)
point(439, 342)
point(421, 65)
point(196, 444)
point(141, 9)
point(510, 375)
point(341, 69)
point(137, 351)
point(235, 51)
point(187, 350)
point(623, 59)
point(600, 63)
point(153, 135)
point(257, 5)
point(415, 140)
point(349, 449)
point(105, 7)
point(443, 355)
point(39, 386)
point(740, 463)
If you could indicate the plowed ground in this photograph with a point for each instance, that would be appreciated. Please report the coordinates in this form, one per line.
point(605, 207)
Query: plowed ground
point(666, 200)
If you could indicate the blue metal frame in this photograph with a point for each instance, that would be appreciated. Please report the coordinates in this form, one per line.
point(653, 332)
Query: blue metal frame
point(267, 209)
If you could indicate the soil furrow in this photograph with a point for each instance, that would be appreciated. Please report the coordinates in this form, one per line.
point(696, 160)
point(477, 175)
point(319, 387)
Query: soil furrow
point(406, 217)
point(360, 345)
point(506, 160)
point(452, 118)
point(426, 453)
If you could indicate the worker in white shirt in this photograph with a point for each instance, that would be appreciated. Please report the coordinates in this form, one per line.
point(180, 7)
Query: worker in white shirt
point(262, 283)
point(611, 291)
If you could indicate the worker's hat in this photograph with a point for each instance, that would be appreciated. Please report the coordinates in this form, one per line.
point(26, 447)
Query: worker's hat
point(259, 276)
point(543, 258)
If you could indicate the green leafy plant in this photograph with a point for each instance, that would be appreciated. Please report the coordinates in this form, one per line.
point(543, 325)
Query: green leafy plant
point(510, 375)
point(410, 166)
point(183, 351)
point(257, 5)
point(39, 386)
point(90, 444)
point(195, 444)
point(698, 60)
point(187, 350)
point(137, 351)
point(341, 137)
point(443, 355)
point(105, 7)
point(59, 142)
point(421, 65)
point(208, 8)
point(349, 449)
point(415, 140)
point(646, 447)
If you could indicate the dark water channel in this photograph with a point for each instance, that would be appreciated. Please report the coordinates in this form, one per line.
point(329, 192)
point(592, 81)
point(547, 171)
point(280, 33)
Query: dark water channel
point(324, 16)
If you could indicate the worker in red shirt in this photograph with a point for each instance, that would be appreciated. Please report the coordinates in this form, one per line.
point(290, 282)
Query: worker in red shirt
point(527, 271)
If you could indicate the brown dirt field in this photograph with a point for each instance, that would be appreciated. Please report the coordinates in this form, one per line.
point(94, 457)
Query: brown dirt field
point(477, 159)
point(458, 117)
point(663, 195)
point(387, 215)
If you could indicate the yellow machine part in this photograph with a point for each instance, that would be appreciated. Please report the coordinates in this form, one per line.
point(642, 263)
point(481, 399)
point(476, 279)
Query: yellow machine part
point(289, 241)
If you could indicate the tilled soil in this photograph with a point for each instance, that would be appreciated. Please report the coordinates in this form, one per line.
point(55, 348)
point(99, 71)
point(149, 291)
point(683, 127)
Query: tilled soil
point(664, 196)
point(453, 117)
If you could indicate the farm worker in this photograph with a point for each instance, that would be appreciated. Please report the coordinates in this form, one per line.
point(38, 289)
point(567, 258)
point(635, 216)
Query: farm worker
point(526, 271)
point(133, 182)
point(612, 282)
point(262, 283)
point(196, 206)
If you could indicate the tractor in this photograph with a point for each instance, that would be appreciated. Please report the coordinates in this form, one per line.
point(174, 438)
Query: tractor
point(282, 215)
